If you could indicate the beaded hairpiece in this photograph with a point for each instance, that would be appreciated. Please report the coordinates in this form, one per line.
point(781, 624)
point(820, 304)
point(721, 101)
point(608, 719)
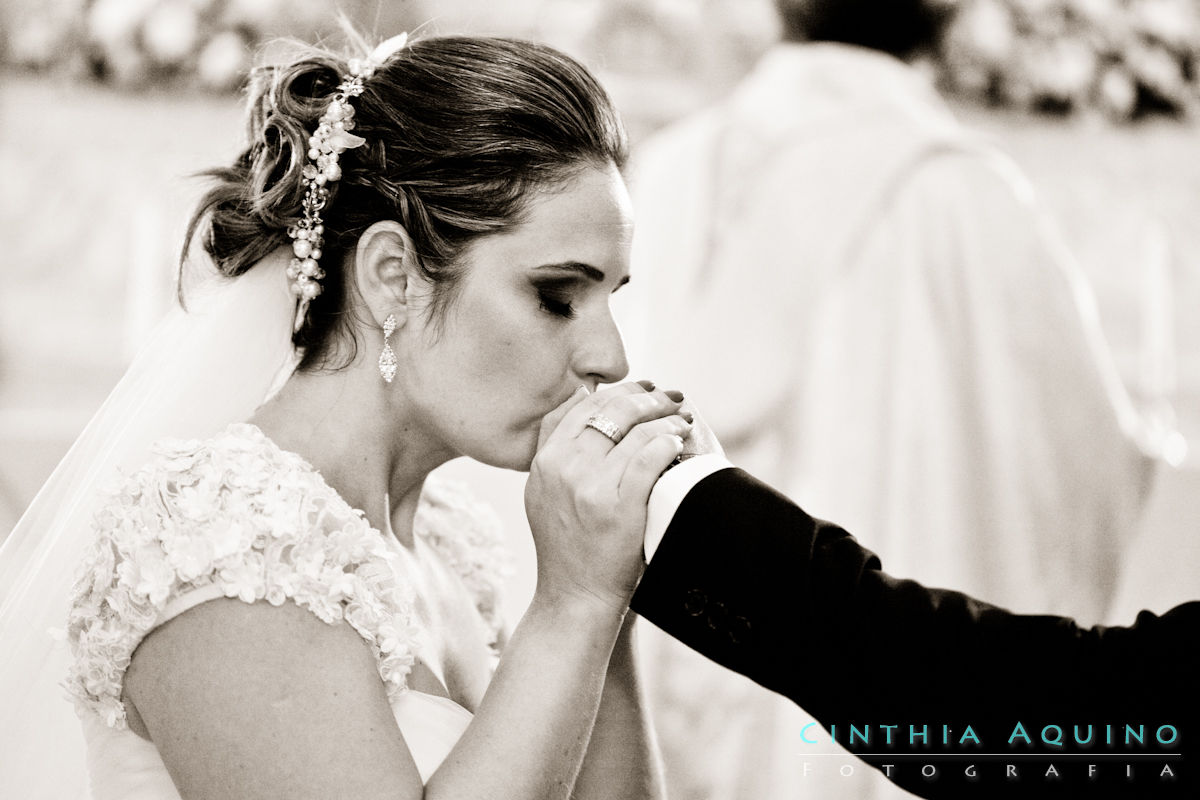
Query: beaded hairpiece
point(325, 146)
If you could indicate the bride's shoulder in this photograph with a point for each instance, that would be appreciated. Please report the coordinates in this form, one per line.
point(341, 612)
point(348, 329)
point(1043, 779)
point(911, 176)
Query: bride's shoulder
point(231, 516)
point(240, 455)
point(199, 506)
point(185, 482)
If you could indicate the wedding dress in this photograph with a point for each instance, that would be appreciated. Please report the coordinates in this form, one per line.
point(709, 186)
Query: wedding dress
point(235, 516)
point(167, 500)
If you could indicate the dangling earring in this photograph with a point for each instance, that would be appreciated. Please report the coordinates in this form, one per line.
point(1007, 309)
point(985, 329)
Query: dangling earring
point(387, 358)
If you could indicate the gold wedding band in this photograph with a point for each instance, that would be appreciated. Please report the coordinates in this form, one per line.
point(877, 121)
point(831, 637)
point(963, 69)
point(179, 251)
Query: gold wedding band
point(601, 423)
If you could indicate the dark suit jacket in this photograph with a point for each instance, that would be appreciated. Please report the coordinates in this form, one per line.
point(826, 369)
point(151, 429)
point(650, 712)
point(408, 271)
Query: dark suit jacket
point(747, 578)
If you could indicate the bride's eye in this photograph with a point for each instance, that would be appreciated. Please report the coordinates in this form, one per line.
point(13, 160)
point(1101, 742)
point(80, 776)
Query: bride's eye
point(556, 300)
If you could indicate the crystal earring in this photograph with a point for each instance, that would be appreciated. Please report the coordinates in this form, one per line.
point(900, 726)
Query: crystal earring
point(387, 358)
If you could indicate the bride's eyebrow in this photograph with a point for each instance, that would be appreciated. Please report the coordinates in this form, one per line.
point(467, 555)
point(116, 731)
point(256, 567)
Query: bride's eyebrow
point(586, 270)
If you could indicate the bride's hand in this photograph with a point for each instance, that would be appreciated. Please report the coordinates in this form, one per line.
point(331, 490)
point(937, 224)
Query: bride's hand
point(586, 496)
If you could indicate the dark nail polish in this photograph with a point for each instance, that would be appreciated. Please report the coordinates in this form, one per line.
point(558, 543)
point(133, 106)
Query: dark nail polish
point(674, 394)
point(689, 416)
point(647, 385)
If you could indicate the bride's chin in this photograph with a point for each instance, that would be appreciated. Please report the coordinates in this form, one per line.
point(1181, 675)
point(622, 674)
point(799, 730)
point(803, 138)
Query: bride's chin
point(524, 460)
point(517, 457)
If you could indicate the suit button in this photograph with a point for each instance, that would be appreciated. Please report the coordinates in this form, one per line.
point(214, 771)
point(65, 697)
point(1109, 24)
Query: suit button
point(694, 602)
point(717, 616)
point(739, 630)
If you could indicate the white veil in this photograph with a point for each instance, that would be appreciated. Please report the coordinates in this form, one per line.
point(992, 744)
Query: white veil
point(202, 369)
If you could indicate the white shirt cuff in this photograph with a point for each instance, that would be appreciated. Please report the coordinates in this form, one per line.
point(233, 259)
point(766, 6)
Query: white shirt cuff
point(668, 494)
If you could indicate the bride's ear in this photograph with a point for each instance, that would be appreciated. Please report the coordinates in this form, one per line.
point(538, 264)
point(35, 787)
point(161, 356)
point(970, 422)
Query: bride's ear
point(386, 270)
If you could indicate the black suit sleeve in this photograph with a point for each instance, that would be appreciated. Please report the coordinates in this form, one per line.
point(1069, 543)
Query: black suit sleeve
point(750, 580)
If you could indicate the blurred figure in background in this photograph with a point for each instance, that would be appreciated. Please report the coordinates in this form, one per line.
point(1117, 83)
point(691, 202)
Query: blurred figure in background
point(878, 320)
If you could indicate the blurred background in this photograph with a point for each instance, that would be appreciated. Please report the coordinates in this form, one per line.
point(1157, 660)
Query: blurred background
point(107, 108)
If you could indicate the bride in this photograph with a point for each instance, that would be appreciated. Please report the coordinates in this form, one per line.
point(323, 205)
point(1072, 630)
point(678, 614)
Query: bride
point(415, 254)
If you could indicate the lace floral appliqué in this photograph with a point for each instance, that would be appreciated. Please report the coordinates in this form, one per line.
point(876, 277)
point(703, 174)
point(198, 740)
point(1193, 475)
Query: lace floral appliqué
point(468, 535)
point(245, 519)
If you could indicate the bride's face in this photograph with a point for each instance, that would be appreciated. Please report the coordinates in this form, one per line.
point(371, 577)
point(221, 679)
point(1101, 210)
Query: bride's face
point(528, 323)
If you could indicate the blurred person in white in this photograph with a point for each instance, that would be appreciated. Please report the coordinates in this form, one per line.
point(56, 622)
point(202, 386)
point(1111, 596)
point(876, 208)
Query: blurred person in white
point(414, 257)
point(878, 319)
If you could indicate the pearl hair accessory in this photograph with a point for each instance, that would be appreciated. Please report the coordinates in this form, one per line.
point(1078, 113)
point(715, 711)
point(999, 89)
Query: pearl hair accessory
point(331, 138)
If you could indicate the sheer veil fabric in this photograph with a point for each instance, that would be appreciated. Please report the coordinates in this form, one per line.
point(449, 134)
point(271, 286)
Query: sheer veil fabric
point(203, 367)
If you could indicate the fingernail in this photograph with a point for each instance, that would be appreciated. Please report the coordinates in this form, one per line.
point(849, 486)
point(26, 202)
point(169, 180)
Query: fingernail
point(674, 394)
point(582, 388)
point(647, 385)
point(689, 416)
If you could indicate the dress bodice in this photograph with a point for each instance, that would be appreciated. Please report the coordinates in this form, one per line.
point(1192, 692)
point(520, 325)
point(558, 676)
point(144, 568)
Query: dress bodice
point(236, 516)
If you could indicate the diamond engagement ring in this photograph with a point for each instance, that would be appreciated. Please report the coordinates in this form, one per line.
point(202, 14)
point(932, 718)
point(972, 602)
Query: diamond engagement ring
point(606, 426)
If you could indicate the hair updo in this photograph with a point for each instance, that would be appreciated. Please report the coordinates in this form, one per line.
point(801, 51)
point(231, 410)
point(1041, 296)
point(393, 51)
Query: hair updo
point(458, 129)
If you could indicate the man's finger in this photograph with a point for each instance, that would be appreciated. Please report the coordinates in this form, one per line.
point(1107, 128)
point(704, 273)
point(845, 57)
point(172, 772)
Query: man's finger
point(618, 460)
point(701, 440)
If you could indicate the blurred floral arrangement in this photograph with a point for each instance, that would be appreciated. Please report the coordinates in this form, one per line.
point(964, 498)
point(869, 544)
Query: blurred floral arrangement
point(136, 43)
point(1122, 58)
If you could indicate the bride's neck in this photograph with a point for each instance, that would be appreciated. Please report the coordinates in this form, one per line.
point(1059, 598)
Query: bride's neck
point(364, 445)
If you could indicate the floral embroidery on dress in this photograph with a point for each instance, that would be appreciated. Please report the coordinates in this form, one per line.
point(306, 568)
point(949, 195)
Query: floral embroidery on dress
point(470, 538)
point(237, 514)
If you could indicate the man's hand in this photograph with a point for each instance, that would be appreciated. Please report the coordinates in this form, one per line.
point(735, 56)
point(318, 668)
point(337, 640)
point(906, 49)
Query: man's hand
point(701, 441)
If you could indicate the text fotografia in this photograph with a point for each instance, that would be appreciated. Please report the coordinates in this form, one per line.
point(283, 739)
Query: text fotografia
point(1068, 753)
point(1106, 735)
point(1166, 770)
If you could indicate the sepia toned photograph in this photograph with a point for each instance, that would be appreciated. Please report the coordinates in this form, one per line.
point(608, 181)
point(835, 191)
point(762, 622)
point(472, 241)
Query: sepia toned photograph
point(600, 399)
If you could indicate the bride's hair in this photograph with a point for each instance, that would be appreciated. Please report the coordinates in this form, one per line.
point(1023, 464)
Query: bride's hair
point(457, 130)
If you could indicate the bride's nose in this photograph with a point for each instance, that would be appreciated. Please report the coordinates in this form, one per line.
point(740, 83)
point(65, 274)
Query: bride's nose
point(600, 355)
